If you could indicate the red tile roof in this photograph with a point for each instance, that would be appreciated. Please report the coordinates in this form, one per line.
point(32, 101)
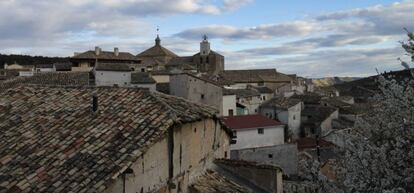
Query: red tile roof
point(310, 143)
point(249, 121)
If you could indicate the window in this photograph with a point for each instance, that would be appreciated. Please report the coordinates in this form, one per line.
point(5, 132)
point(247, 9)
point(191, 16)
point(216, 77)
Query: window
point(231, 112)
point(260, 131)
point(195, 130)
point(235, 134)
point(225, 154)
point(207, 60)
point(294, 117)
point(255, 110)
point(142, 69)
point(313, 130)
point(270, 155)
point(202, 96)
point(264, 98)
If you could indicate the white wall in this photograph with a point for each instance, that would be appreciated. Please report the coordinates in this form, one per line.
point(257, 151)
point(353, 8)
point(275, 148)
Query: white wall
point(110, 78)
point(250, 138)
point(294, 121)
point(251, 103)
point(229, 102)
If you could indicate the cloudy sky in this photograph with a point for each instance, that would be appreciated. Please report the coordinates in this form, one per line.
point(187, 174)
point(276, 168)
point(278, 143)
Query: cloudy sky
point(310, 38)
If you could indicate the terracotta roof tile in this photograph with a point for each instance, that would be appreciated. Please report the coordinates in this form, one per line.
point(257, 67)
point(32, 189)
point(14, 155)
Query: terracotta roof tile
point(248, 121)
point(53, 142)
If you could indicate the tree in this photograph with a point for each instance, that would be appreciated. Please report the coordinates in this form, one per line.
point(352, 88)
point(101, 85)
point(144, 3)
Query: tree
point(379, 153)
point(379, 156)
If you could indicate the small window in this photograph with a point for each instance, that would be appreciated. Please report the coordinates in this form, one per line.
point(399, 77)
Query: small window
point(101, 73)
point(260, 131)
point(270, 155)
point(255, 110)
point(231, 113)
point(313, 130)
point(235, 134)
point(225, 154)
point(202, 96)
point(294, 117)
point(264, 98)
point(195, 130)
point(142, 69)
point(207, 60)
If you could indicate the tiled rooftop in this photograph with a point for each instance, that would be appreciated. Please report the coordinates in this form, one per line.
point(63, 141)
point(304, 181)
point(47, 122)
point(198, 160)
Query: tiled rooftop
point(281, 102)
point(213, 182)
point(249, 121)
point(53, 142)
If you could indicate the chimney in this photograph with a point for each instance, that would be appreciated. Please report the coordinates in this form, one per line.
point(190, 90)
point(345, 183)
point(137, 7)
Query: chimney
point(116, 51)
point(97, 50)
point(94, 103)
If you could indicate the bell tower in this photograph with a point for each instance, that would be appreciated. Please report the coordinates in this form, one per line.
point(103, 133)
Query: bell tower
point(204, 46)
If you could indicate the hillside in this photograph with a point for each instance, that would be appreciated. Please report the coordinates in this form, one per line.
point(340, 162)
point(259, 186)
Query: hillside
point(329, 81)
point(364, 88)
point(29, 60)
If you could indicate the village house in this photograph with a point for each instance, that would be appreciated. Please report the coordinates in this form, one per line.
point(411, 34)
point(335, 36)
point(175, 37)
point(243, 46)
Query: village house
point(285, 110)
point(247, 100)
point(317, 120)
point(255, 77)
point(197, 89)
point(112, 74)
point(117, 139)
point(104, 140)
point(251, 131)
point(143, 80)
point(229, 103)
point(87, 60)
point(265, 92)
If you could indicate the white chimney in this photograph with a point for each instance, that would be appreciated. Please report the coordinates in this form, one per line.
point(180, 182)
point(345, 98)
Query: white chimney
point(97, 50)
point(116, 51)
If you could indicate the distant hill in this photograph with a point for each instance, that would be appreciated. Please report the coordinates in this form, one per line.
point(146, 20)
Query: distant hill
point(364, 88)
point(29, 60)
point(329, 81)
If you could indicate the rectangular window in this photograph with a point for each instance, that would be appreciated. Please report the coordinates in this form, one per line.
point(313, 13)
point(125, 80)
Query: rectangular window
point(231, 112)
point(270, 155)
point(202, 96)
point(260, 131)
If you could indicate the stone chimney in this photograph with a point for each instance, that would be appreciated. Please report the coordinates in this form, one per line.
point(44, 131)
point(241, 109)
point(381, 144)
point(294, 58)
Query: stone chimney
point(94, 103)
point(116, 51)
point(97, 50)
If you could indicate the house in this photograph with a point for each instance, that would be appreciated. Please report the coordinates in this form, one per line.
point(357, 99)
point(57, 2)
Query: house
point(13, 67)
point(44, 68)
point(285, 110)
point(111, 74)
point(59, 67)
point(284, 156)
point(197, 89)
point(229, 103)
point(248, 100)
point(105, 139)
point(252, 131)
point(317, 120)
point(255, 77)
point(143, 80)
point(87, 60)
point(265, 92)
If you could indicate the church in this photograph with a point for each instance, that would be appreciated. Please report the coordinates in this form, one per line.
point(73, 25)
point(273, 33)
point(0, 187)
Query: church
point(155, 59)
point(159, 58)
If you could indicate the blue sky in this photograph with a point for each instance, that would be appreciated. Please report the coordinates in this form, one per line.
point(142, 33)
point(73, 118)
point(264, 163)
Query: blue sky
point(309, 38)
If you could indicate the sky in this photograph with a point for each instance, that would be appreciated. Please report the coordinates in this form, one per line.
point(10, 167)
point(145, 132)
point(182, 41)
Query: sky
point(318, 38)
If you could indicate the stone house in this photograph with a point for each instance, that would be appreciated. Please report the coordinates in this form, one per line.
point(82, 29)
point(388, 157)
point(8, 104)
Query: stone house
point(317, 120)
point(251, 131)
point(197, 89)
point(255, 77)
point(112, 74)
point(105, 139)
point(284, 156)
point(285, 110)
point(87, 60)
